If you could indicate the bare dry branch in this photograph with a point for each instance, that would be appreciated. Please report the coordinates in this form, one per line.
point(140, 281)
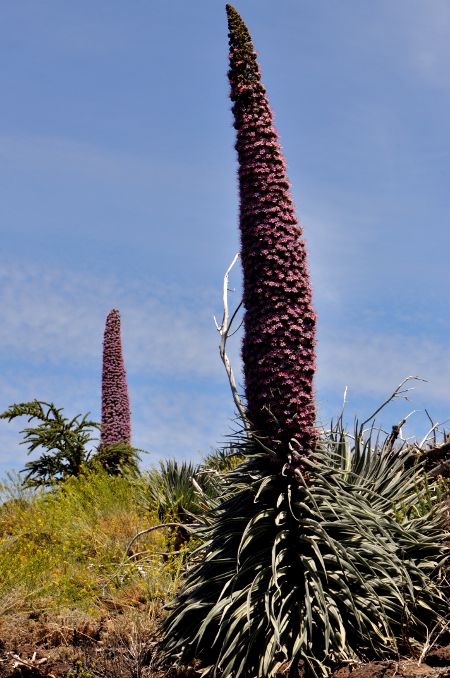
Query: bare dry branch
point(432, 638)
point(224, 330)
point(151, 529)
point(434, 453)
point(440, 470)
point(398, 393)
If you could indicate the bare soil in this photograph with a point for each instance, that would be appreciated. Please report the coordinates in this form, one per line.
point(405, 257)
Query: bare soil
point(76, 646)
point(121, 645)
point(392, 669)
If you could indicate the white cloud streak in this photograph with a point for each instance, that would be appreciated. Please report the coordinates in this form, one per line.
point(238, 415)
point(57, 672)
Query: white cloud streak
point(50, 347)
point(373, 363)
point(58, 155)
point(53, 318)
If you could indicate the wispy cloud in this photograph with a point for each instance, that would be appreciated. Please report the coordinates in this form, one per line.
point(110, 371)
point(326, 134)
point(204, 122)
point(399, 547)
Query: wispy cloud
point(181, 424)
point(64, 156)
point(51, 348)
point(56, 317)
point(372, 363)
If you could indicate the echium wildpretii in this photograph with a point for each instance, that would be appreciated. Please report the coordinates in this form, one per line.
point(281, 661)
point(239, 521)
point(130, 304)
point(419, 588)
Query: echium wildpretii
point(116, 419)
point(279, 324)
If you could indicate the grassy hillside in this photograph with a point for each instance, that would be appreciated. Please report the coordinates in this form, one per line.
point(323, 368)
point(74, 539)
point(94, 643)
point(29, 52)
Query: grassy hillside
point(66, 547)
point(73, 602)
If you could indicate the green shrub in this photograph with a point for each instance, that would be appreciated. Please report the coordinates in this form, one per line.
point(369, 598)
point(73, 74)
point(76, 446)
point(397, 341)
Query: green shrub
point(222, 460)
point(181, 491)
point(65, 441)
point(66, 547)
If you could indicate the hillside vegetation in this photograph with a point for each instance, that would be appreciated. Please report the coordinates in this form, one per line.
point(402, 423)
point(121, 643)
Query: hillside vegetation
point(67, 547)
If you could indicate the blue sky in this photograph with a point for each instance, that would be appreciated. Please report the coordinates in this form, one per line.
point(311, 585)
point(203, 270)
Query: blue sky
point(119, 189)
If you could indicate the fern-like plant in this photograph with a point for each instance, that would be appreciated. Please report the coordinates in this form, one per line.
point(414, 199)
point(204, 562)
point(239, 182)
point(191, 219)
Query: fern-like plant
point(65, 441)
point(63, 444)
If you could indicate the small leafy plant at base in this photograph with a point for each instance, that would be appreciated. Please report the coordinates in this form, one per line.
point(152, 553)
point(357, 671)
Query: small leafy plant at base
point(180, 493)
point(183, 491)
point(171, 493)
point(118, 458)
point(79, 671)
point(222, 460)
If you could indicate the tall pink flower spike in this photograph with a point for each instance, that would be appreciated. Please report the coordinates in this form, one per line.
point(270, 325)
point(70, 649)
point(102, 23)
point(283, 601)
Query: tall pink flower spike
point(116, 418)
point(278, 348)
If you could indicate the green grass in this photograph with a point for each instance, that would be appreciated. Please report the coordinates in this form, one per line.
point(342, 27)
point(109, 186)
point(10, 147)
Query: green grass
point(66, 548)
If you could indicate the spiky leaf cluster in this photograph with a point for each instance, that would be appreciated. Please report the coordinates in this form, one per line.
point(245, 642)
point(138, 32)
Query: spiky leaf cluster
point(314, 572)
point(279, 321)
point(182, 490)
point(116, 418)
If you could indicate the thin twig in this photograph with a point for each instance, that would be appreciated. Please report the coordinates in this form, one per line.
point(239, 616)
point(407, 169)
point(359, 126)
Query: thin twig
point(151, 554)
point(397, 434)
point(394, 435)
point(240, 324)
point(398, 393)
point(431, 431)
point(429, 643)
point(224, 331)
point(432, 426)
point(344, 403)
point(28, 663)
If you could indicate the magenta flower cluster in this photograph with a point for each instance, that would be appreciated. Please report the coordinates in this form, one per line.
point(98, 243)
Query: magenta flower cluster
point(116, 418)
point(279, 341)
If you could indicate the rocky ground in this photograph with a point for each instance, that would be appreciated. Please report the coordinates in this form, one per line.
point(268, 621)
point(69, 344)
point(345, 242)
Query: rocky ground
point(437, 665)
point(122, 646)
point(75, 646)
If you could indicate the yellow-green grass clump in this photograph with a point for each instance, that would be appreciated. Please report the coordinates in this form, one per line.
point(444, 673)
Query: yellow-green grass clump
point(66, 548)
